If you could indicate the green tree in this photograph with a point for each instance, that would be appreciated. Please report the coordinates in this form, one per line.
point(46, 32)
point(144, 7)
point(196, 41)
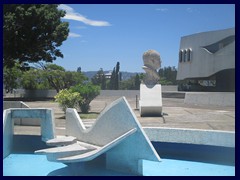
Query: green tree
point(131, 84)
point(115, 77)
point(79, 69)
point(168, 75)
point(32, 33)
point(164, 81)
point(55, 76)
point(88, 92)
point(137, 82)
point(34, 79)
point(112, 79)
point(60, 79)
point(116, 87)
point(99, 79)
point(50, 76)
point(11, 77)
point(127, 84)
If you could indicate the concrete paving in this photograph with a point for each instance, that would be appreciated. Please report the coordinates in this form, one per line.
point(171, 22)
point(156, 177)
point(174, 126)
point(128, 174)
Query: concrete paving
point(177, 114)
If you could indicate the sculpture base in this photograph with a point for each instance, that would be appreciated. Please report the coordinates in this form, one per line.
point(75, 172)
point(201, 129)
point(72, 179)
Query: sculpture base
point(150, 103)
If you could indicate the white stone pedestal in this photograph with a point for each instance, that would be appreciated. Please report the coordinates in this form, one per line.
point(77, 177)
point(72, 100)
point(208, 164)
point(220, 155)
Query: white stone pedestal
point(150, 102)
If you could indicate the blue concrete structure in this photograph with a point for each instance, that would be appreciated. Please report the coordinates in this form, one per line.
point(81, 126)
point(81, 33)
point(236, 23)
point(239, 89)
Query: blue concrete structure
point(47, 124)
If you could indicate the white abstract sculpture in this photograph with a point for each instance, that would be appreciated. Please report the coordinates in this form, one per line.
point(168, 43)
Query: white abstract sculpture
point(150, 91)
point(116, 136)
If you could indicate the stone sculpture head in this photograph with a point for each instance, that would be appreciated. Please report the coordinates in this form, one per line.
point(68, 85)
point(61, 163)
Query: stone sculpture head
point(151, 58)
point(152, 62)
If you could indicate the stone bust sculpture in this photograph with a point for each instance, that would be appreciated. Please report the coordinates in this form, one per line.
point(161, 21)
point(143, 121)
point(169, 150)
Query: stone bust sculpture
point(152, 62)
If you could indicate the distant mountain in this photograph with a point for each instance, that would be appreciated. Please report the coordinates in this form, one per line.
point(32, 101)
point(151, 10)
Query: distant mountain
point(128, 75)
point(89, 74)
point(125, 75)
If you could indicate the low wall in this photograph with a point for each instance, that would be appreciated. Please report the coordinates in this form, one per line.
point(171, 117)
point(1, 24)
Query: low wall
point(119, 93)
point(167, 92)
point(21, 121)
point(170, 91)
point(14, 104)
point(169, 88)
point(39, 93)
point(210, 98)
point(191, 136)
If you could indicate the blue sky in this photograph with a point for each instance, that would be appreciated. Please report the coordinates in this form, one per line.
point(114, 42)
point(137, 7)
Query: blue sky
point(102, 34)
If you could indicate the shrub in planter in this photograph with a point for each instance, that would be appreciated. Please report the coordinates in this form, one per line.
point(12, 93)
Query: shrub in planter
point(68, 99)
point(88, 93)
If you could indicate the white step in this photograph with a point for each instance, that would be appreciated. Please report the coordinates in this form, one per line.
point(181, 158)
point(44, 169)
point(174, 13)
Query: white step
point(96, 152)
point(62, 141)
point(63, 151)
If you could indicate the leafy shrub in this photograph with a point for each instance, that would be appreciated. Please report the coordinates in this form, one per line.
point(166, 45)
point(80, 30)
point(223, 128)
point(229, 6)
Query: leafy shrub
point(88, 93)
point(68, 99)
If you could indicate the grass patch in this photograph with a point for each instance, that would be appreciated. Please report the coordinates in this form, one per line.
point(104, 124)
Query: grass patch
point(90, 115)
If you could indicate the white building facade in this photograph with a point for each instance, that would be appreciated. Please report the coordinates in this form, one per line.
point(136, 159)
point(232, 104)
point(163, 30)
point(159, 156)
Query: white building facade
point(208, 56)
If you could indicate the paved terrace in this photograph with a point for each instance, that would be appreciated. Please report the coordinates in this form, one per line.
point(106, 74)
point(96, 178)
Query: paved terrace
point(176, 114)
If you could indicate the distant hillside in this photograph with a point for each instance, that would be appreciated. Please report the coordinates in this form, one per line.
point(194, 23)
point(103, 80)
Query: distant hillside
point(128, 75)
point(89, 74)
point(125, 75)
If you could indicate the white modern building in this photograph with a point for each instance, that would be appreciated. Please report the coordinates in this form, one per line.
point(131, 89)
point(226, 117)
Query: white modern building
point(207, 61)
point(108, 75)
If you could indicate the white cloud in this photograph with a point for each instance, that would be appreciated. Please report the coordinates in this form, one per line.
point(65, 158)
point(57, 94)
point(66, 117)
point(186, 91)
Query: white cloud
point(72, 15)
point(74, 35)
point(190, 10)
point(65, 8)
point(162, 9)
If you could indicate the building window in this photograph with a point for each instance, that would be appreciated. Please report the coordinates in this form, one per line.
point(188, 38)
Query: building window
point(189, 55)
point(185, 55)
point(180, 56)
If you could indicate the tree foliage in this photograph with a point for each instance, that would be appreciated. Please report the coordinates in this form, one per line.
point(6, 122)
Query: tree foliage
point(112, 80)
point(79, 69)
point(34, 79)
point(32, 32)
point(131, 84)
point(88, 92)
point(115, 77)
point(99, 79)
point(48, 76)
point(168, 75)
point(116, 87)
point(137, 82)
point(11, 77)
point(60, 79)
point(68, 99)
